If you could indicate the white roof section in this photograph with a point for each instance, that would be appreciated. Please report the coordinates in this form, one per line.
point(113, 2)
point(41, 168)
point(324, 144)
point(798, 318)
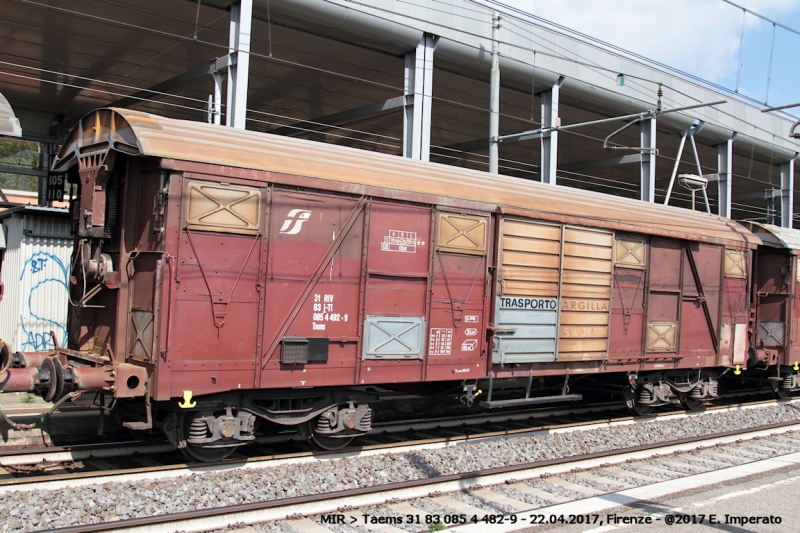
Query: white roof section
point(9, 124)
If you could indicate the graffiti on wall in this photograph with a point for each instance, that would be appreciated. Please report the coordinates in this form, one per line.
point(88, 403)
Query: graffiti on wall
point(44, 276)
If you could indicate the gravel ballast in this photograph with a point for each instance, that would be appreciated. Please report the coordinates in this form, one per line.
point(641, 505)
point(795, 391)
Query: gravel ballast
point(47, 509)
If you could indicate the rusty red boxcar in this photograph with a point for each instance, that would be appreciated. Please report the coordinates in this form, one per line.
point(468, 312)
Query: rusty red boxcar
point(223, 276)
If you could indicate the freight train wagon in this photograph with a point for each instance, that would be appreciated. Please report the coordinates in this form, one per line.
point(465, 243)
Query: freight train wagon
point(225, 276)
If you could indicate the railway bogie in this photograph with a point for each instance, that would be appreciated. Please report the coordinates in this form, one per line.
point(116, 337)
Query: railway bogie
point(222, 278)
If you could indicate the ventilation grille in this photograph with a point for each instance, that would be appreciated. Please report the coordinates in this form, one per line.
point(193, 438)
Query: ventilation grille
point(630, 252)
point(223, 208)
point(294, 351)
point(661, 336)
point(735, 265)
point(464, 234)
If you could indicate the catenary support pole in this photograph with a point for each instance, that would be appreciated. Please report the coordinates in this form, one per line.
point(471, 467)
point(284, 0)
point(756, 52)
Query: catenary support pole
point(238, 71)
point(494, 99)
point(648, 166)
point(550, 119)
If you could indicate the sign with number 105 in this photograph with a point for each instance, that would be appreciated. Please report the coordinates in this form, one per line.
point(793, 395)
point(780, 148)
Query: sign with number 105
point(55, 187)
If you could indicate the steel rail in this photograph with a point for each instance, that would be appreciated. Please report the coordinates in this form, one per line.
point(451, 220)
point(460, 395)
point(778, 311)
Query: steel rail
point(34, 455)
point(219, 517)
point(31, 456)
point(59, 481)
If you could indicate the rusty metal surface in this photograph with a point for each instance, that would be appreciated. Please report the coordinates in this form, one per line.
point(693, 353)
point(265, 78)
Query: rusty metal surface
point(773, 235)
point(627, 313)
point(196, 141)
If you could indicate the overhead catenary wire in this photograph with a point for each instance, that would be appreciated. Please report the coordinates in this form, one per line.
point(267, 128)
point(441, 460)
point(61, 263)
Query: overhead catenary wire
point(769, 68)
point(333, 73)
point(741, 48)
point(394, 147)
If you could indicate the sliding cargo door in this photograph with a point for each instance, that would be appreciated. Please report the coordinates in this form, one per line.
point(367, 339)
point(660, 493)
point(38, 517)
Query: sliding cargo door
point(553, 294)
point(585, 295)
point(457, 335)
point(733, 339)
point(664, 296)
point(213, 340)
point(398, 257)
point(772, 289)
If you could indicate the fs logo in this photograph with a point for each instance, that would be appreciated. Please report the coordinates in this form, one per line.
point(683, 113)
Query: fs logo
point(298, 216)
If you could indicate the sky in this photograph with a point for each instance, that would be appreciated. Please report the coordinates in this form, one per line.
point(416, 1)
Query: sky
point(701, 37)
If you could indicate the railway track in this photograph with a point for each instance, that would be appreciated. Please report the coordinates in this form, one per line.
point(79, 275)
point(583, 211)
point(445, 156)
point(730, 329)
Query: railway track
point(279, 509)
point(470, 426)
point(573, 482)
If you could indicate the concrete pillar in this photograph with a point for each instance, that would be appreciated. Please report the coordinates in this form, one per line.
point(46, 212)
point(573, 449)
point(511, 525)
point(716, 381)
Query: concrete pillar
point(550, 119)
point(419, 89)
point(724, 169)
point(787, 193)
point(648, 165)
point(238, 70)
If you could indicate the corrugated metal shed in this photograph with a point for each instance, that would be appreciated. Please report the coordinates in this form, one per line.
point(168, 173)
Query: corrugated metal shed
point(168, 138)
point(35, 274)
point(777, 236)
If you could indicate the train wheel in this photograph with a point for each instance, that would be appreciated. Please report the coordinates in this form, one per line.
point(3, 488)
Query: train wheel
point(193, 425)
point(324, 442)
point(635, 406)
point(689, 403)
point(777, 391)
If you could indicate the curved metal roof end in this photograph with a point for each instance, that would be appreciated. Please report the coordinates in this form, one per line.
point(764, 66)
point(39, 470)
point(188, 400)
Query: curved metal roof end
point(777, 236)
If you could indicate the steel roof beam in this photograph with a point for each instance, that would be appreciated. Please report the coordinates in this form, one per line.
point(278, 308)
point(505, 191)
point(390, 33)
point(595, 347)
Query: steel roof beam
point(549, 139)
point(787, 196)
point(600, 163)
point(724, 182)
point(343, 117)
point(239, 72)
point(22, 171)
point(419, 85)
point(159, 89)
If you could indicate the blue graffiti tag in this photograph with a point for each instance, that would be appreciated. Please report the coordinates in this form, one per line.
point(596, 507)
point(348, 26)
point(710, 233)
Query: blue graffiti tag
point(35, 265)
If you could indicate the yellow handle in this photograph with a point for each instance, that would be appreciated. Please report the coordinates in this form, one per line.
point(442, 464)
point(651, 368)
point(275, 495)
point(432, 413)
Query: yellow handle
point(738, 370)
point(796, 366)
point(477, 393)
point(187, 400)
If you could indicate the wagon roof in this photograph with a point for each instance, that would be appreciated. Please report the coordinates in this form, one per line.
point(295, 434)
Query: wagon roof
point(776, 236)
point(140, 133)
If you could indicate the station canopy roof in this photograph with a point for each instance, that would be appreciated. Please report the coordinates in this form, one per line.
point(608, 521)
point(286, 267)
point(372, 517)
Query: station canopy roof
point(312, 59)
